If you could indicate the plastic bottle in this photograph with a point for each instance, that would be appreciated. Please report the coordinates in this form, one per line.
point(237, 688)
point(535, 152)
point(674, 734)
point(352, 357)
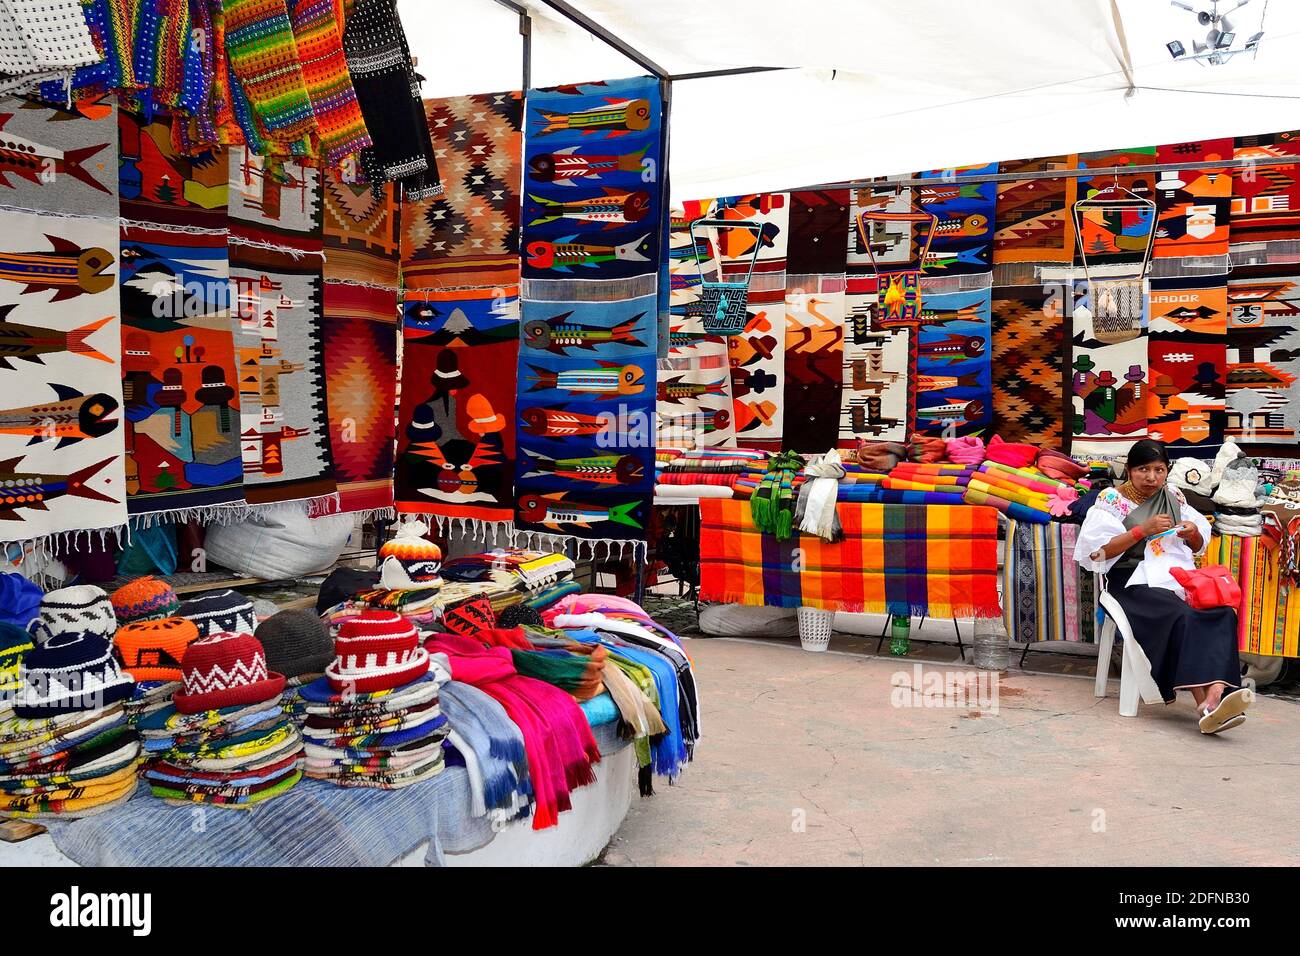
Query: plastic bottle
point(900, 630)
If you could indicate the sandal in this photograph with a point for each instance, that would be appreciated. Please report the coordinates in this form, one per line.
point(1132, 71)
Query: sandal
point(1231, 706)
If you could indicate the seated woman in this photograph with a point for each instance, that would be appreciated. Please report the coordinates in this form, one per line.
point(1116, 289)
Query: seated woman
point(1124, 535)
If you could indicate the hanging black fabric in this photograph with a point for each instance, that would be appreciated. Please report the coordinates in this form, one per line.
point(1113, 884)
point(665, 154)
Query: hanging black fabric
point(389, 94)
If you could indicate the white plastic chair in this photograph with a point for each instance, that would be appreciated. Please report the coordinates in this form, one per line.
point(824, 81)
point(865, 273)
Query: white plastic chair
point(1135, 681)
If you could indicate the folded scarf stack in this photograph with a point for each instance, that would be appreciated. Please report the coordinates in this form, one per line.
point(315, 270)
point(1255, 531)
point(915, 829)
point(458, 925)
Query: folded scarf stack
point(773, 501)
point(637, 645)
point(1017, 492)
point(558, 742)
point(224, 741)
point(375, 718)
point(66, 750)
point(911, 483)
point(707, 472)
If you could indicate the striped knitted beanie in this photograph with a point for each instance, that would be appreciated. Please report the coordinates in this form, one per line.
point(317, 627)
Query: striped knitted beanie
point(70, 672)
point(82, 607)
point(153, 650)
point(144, 599)
point(376, 650)
point(220, 612)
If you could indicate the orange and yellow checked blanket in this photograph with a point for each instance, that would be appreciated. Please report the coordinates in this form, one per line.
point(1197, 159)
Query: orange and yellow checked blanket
point(937, 560)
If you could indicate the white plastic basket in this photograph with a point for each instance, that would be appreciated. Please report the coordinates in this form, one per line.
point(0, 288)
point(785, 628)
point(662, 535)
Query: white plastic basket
point(815, 628)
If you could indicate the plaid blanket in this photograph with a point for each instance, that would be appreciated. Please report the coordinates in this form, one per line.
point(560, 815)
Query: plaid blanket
point(940, 561)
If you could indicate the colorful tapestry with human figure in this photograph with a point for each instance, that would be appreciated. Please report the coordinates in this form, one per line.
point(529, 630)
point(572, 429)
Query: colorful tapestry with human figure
point(461, 265)
point(593, 205)
point(1108, 382)
point(1193, 204)
point(179, 381)
point(1263, 355)
point(457, 446)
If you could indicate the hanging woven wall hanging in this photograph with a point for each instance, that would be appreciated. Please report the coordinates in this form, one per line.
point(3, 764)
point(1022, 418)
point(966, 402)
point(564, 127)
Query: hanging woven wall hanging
point(586, 376)
point(457, 424)
point(693, 392)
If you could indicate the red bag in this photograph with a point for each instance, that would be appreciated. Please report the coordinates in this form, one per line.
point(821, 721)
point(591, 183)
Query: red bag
point(1212, 586)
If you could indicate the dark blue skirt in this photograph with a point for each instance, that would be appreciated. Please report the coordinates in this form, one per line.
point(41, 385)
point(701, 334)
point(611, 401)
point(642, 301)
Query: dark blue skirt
point(1186, 647)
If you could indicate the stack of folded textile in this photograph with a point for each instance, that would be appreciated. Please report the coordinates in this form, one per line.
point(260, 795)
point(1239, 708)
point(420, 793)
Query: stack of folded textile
point(374, 719)
point(707, 472)
point(1236, 500)
point(151, 651)
point(912, 483)
point(225, 740)
point(221, 612)
point(67, 751)
point(1019, 493)
point(15, 642)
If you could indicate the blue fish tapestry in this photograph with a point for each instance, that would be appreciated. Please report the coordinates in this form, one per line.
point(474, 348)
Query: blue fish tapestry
point(592, 238)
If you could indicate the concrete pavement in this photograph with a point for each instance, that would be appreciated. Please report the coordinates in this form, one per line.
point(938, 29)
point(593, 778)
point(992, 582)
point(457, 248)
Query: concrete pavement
point(808, 759)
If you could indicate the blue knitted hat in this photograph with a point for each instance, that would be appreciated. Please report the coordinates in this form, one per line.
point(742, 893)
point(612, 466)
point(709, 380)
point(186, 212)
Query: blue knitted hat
point(70, 672)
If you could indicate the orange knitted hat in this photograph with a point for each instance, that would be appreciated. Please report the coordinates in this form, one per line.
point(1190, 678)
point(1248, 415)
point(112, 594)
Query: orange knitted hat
point(152, 650)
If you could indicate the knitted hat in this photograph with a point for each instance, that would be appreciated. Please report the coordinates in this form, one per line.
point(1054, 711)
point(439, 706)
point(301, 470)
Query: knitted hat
point(15, 642)
point(153, 650)
point(225, 669)
point(416, 560)
point(70, 672)
point(469, 617)
point(376, 650)
point(1239, 484)
point(82, 608)
point(20, 600)
point(222, 612)
point(144, 599)
point(297, 643)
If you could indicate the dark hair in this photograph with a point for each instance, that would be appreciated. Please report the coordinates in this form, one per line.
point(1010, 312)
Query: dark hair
point(1146, 452)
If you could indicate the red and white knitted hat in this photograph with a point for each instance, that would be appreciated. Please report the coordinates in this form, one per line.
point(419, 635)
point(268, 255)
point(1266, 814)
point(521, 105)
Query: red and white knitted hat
point(224, 669)
point(376, 650)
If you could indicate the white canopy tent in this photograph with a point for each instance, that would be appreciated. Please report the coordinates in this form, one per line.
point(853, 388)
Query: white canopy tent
point(877, 87)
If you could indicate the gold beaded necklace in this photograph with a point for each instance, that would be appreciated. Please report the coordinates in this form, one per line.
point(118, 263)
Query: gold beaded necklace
point(1132, 494)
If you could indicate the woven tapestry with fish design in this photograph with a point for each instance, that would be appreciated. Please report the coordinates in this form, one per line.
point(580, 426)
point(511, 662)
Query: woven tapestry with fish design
point(592, 214)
